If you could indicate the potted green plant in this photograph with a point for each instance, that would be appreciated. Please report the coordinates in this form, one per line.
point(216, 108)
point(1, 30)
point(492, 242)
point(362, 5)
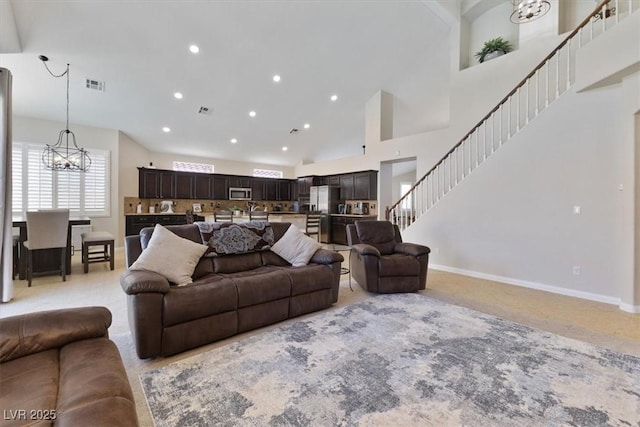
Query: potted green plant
point(493, 48)
point(237, 211)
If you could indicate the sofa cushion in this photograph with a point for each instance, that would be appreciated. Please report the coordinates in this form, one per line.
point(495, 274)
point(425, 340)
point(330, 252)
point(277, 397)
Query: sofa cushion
point(398, 265)
point(237, 263)
point(379, 234)
point(309, 278)
point(204, 267)
point(260, 286)
point(229, 238)
point(170, 255)
point(30, 383)
point(209, 295)
point(295, 247)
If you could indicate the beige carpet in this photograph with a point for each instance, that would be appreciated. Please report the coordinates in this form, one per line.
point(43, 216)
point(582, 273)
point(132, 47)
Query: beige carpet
point(599, 324)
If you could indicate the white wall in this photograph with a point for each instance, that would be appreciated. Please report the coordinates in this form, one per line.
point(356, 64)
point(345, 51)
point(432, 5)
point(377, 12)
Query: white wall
point(513, 218)
point(165, 161)
point(27, 129)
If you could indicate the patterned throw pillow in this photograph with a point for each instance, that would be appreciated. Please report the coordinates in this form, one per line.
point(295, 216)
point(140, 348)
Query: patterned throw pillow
point(227, 238)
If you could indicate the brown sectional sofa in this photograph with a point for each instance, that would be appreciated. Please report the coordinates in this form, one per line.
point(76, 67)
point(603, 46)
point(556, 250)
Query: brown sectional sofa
point(59, 367)
point(230, 294)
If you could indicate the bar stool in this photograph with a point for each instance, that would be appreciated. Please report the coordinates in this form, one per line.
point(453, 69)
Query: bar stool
point(97, 238)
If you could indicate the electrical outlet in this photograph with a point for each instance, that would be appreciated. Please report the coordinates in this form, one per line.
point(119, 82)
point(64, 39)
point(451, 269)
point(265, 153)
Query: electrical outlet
point(577, 210)
point(577, 270)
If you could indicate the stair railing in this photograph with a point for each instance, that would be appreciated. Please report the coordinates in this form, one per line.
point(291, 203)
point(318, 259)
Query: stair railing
point(553, 76)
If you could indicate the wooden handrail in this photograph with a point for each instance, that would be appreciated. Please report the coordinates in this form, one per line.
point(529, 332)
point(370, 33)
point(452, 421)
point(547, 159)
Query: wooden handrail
point(542, 63)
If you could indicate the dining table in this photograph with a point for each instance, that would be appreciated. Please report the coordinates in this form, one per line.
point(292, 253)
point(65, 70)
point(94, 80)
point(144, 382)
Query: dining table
point(44, 259)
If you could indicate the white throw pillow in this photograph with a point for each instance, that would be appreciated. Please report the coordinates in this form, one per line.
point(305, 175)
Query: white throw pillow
point(170, 255)
point(296, 247)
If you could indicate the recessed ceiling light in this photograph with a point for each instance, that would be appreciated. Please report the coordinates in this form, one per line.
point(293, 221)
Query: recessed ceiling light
point(276, 78)
point(166, 129)
point(284, 148)
point(178, 95)
point(194, 49)
point(307, 125)
point(233, 140)
point(334, 98)
point(252, 113)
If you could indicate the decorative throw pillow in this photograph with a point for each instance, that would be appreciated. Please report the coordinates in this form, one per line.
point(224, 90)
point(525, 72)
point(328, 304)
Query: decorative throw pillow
point(228, 238)
point(170, 255)
point(296, 247)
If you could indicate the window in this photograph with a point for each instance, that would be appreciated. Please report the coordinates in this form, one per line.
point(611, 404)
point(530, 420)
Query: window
point(266, 173)
point(192, 167)
point(34, 187)
point(404, 189)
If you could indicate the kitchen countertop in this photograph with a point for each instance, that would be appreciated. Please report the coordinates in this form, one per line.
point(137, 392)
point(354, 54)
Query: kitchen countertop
point(208, 213)
point(356, 215)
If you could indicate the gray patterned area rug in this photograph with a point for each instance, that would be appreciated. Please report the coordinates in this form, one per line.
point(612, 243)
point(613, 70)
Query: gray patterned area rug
point(399, 360)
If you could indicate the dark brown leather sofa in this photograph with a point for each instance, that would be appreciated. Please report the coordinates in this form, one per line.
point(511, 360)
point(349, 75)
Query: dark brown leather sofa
point(230, 294)
point(59, 367)
point(381, 262)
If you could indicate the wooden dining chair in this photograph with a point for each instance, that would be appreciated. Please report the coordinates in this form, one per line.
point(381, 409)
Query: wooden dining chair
point(223, 216)
point(47, 230)
point(259, 216)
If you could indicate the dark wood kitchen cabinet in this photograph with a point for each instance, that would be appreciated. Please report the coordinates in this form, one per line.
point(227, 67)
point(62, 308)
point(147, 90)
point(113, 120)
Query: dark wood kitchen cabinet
point(156, 184)
point(365, 185)
point(220, 188)
point(270, 189)
point(346, 187)
point(184, 185)
point(285, 190)
point(257, 190)
point(239, 181)
point(202, 186)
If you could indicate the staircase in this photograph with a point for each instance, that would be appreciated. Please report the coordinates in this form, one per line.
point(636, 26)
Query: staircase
point(553, 76)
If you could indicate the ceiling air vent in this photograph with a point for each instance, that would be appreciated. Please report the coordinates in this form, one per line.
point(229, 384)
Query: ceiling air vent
point(205, 111)
point(94, 84)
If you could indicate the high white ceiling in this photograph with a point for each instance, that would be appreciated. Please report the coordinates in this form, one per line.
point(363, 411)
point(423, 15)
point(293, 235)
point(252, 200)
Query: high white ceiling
point(140, 49)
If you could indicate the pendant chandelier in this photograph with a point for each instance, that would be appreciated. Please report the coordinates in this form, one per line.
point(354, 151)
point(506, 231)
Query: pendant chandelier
point(528, 10)
point(65, 154)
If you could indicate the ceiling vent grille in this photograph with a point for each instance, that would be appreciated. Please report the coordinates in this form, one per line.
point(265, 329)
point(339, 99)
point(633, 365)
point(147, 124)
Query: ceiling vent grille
point(94, 84)
point(205, 111)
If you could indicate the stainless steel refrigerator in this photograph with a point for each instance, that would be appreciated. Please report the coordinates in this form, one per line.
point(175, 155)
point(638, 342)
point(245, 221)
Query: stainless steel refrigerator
point(325, 199)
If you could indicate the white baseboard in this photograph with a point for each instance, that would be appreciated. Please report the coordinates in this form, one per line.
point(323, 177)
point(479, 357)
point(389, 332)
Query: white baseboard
point(541, 287)
point(634, 309)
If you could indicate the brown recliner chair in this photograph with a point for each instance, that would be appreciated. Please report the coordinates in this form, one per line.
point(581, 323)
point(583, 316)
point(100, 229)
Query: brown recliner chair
point(59, 367)
point(381, 262)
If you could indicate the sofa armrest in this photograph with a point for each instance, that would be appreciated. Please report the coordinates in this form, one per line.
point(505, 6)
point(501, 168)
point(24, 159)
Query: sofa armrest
point(412, 249)
point(325, 256)
point(35, 332)
point(141, 281)
point(364, 249)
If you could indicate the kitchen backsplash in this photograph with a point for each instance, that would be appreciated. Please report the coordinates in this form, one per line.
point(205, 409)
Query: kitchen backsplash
point(208, 206)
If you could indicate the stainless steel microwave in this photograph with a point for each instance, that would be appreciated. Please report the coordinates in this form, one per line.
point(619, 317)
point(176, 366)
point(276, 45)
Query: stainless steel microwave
point(237, 193)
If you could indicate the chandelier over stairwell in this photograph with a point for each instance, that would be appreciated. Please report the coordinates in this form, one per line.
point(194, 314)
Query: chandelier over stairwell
point(62, 155)
point(528, 10)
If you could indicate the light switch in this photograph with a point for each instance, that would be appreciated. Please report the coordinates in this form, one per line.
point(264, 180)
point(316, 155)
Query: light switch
point(577, 210)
